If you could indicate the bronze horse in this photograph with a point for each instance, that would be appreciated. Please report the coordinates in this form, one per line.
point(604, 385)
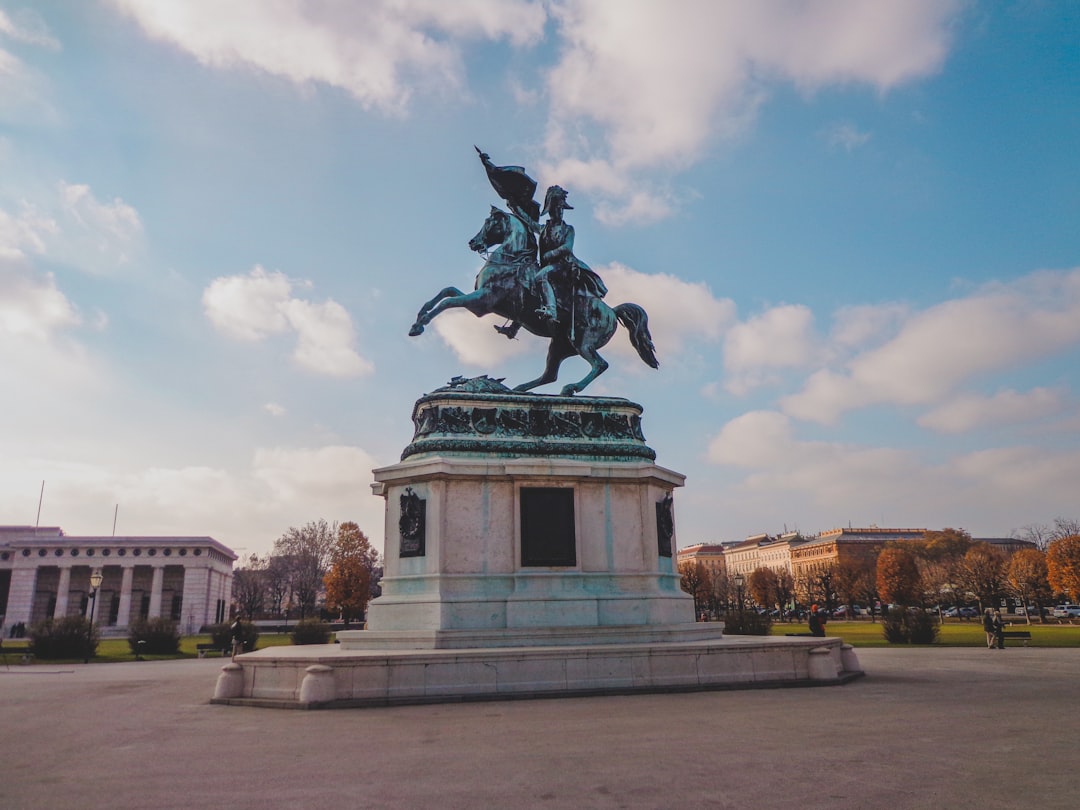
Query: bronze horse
point(504, 286)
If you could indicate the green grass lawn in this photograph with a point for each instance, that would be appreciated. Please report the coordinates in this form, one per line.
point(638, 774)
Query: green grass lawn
point(860, 634)
point(116, 649)
point(958, 634)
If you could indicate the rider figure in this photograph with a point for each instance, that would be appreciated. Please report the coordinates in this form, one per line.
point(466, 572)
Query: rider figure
point(558, 265)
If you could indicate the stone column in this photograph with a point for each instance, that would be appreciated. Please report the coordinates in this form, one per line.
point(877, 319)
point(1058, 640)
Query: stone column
point(123, 617)
point(21, 594)
point(62, 592)
point(155, 592)
point(196, 597)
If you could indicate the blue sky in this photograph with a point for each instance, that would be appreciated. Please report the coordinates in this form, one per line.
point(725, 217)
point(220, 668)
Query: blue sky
point(854, 226)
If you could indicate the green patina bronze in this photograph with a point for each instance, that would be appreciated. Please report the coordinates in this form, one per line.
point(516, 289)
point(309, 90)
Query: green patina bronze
point(541, 286)
point(482, 417)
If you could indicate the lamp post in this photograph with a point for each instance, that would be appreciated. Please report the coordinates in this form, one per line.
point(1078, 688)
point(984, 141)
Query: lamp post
point(95, 583)
point(740, 580)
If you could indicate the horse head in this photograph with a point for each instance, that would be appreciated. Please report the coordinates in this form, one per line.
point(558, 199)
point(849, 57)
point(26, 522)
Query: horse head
point(493, 231)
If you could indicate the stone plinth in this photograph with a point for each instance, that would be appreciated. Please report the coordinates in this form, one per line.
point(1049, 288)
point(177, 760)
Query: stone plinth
point(472, 576)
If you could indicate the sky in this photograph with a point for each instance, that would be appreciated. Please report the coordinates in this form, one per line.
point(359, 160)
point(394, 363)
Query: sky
point(854, 226)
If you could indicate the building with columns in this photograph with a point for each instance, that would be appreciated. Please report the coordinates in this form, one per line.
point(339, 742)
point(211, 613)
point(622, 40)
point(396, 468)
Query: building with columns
point(46, 574)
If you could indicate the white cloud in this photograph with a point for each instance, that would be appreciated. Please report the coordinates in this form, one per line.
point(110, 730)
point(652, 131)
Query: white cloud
point(303, 474)
point(73, 227)
point(27, 26)
point(970, 411)
point(846, 136)
point(274, 409)
point(821, 483)
point(378, 51)
point(660, 81)
point(780, 338)
point(475, 342)
point(116, 220)
point(261, 304)
point(680, 312)
point(31, 305)
point(24, 232)
point(997, 327)
point(247, 506)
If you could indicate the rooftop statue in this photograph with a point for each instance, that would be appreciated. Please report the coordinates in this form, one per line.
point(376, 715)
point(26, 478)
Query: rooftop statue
point(558, 297)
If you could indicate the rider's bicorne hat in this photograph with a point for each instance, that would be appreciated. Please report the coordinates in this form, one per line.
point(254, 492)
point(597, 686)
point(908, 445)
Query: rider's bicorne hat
point(556, 192)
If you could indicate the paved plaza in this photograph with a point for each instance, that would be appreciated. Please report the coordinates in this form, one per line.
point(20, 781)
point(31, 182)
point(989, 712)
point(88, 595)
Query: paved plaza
point(927, 728)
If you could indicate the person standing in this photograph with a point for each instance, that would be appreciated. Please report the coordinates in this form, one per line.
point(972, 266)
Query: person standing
point(237, 629)
point(988, 628)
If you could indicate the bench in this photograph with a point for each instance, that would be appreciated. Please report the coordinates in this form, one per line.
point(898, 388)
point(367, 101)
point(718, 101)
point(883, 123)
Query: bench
point(1020, 635)
point(203, 649)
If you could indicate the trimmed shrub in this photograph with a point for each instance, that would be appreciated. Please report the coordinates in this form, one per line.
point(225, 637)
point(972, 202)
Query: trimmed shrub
point(923, 628)
point(747, 623)
point(311, 631)
point(221, 636)
point(909, 626)
point(160, 637)
point(66, 637)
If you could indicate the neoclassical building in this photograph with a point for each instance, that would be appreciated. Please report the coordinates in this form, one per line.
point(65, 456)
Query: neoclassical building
point(45, 574)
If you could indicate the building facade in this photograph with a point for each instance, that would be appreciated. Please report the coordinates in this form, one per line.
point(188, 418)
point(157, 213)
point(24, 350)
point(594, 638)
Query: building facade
point(45, 574)
point(709, 555)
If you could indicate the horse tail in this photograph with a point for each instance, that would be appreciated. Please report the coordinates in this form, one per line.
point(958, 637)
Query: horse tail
point(636, 322)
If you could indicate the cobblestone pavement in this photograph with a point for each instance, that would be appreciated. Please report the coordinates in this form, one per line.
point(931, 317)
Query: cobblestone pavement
point(927, 728)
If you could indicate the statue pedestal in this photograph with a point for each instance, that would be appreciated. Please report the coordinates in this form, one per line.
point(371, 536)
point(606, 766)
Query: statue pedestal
point(484, 552)
point(513, 511)
point(529, 544)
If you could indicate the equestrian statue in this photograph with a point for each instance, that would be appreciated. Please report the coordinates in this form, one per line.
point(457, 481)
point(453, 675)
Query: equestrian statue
point(541, 285)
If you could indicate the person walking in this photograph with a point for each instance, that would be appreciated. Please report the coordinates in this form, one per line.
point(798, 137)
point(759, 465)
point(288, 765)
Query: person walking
point(988, 628)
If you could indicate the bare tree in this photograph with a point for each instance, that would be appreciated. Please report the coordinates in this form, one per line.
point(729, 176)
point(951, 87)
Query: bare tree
point(307, 552)
point(249, 587)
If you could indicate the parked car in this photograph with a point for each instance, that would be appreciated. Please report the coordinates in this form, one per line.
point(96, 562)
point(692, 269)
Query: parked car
point(1067, 612)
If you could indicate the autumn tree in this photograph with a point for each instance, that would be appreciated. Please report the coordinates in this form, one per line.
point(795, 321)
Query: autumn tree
point(785, 589)
point(761, 585)
point(982, 573)
point(306, 554)
point(940, 559)
point(353, 565)
point(1063, 565)
point(898, 579)
point(694, 578)
point(855, 580)
point(1027, 580)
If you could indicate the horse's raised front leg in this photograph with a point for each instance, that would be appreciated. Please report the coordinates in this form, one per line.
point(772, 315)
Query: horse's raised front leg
point(448, 298)
point(599, 366)
point(557, 352)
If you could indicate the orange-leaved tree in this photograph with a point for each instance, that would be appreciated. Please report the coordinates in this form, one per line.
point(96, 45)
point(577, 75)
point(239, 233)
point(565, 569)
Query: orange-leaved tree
point(897, 575)
point(1027, 580)
point(353, 565)
point(1063, 565)
point(762, 586)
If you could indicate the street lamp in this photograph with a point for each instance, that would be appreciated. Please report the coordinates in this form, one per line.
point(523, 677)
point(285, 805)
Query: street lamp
point(95, 583)
point(740, 580)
